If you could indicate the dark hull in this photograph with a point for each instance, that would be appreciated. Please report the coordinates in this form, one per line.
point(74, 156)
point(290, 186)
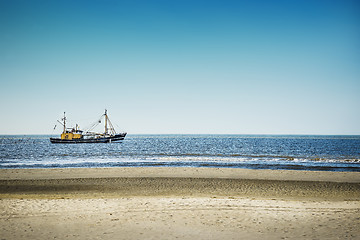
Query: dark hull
point(117, 137)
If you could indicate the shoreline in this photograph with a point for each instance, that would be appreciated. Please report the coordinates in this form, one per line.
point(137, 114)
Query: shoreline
point(175, 172)
point(196, 182)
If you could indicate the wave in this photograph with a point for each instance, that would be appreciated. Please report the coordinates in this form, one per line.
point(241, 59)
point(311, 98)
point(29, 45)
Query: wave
point(184, 162)
point(251, 157)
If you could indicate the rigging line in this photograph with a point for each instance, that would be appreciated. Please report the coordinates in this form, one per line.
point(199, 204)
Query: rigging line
point(91, 125)
point(94, 125)
point(111, 127)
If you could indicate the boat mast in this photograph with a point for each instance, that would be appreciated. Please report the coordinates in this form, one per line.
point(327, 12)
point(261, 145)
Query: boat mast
point(64, 119)
point(106, 119)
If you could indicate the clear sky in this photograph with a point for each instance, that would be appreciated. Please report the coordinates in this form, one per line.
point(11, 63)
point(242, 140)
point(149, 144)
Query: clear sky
point(185, 66)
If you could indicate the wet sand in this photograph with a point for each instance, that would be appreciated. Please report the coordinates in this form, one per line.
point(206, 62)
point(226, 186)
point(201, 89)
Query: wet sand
point(184, 203)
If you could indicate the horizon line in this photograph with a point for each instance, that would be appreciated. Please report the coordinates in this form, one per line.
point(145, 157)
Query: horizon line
point(254, 134)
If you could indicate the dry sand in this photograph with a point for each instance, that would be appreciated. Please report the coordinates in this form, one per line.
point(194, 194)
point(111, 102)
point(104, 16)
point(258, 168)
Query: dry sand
point(178, 203)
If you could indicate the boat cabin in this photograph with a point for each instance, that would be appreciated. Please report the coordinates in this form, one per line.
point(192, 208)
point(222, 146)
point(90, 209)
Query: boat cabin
point(72, 133)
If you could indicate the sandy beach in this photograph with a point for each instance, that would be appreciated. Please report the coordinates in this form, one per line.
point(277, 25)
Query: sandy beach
point(178, 203)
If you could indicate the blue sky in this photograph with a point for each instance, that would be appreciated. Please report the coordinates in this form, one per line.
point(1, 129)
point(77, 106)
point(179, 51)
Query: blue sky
point(233, 67)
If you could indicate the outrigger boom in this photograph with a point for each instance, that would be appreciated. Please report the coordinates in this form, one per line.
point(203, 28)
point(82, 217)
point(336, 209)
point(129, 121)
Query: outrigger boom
point(75, 135)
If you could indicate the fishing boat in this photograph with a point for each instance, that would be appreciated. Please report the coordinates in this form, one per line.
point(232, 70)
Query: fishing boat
point(75, 135)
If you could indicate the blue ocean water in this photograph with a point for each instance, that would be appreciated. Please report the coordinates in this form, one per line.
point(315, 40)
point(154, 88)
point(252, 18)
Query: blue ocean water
point(326, 153)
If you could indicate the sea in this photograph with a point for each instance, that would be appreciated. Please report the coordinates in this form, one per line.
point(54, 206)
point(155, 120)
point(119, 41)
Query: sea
point(285, 152)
